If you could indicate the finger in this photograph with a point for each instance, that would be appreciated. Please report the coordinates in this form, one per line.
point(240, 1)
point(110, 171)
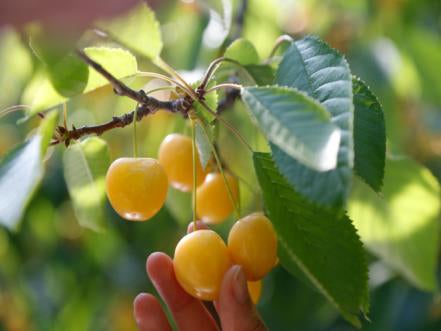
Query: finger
point(199, 225)
point(149, 315)
point(188, 312)
point(235, 307)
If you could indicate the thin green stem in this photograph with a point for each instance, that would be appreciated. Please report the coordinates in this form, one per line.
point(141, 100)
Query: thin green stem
point(12, 109)
point(163, 88)
point(227, 125)
point(135, 140)
point(172, 72)
point(215, 64)
point(279, 41)
point(194, 151)
point(221, 170)
point(65, 115)
point(224, 85)
point(167, 79)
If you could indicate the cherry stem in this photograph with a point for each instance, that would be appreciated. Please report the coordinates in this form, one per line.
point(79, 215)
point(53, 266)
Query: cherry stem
point(227, 125)
point(135, 141)
point(172, 72)
point(194, 151)
point(279, 41)
point(214, 65)
point(12, 109)
point(65, 115)
point(164, 78)
point(221, 170)
point(224, 85)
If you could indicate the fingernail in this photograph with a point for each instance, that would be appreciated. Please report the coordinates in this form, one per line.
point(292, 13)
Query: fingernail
point(240, 288)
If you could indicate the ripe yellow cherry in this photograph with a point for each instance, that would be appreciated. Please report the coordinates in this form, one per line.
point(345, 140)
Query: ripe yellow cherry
point(136, 187)
point(213, 203)
point(255, 289)
point(176, 156)
point(252, 243)
point(200, 262)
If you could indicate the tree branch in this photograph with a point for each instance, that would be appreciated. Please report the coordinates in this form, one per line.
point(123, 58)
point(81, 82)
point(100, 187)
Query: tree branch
point(146, 105)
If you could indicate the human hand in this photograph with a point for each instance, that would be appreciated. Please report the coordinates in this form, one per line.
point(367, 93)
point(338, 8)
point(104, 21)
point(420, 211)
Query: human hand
point(234, 306)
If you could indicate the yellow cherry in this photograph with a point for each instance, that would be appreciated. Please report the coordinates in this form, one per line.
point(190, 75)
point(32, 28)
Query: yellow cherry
point(136, 187)
point(252, 243)
point(200, 262)
point(175, 155)
point(213, 203)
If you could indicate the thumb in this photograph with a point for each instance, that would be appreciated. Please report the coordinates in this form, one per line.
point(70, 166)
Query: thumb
point(235, 308)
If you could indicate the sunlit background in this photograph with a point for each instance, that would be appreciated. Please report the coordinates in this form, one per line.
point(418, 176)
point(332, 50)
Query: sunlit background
point(58, 275)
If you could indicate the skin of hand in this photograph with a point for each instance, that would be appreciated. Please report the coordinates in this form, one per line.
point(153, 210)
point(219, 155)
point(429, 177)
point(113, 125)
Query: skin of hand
point(65, 15)
point(234, 306)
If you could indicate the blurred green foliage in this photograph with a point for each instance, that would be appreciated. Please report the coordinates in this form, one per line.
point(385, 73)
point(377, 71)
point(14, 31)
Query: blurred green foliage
point(56, 275)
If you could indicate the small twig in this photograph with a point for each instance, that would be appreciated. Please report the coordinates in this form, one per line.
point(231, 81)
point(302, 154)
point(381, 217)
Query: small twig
point(146, 105)
point(279, 41)
point(64, 135)
point(224, 85)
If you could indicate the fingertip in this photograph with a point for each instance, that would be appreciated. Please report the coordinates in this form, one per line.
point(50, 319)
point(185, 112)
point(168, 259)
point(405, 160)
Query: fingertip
point(148, 313)
point(157, 262)
point(142, 303)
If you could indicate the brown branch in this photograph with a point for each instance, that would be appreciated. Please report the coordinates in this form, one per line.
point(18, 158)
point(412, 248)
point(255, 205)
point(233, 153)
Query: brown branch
point(146, 106)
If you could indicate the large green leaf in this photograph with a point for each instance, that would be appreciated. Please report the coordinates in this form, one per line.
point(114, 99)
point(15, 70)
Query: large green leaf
point(324, 247)
point(85, 167)
point(313, 67)
point(41, 94)
point(295, 123)
point(369, 136)
point(137, 29)
point(402, 226)
point(242, 51)
point(21, 171)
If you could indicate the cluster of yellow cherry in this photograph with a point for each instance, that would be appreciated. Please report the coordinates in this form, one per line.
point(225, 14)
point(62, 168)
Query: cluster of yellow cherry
point(137, 189)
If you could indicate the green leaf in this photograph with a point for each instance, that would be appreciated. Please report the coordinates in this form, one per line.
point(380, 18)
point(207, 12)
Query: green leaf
point(204, 141)
point(138, 30)
point(313, 67)
point(297, 124)
point(242, 51)
point(119, 62)
point(67, 73)
point(263, 74)
point(402, 227)
point(221, 12)
point(15, 66)
point(85, 165)
point(41, 95)
point(21, 171)
point(323, 246)
point(424, 47)
point(369, 136)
